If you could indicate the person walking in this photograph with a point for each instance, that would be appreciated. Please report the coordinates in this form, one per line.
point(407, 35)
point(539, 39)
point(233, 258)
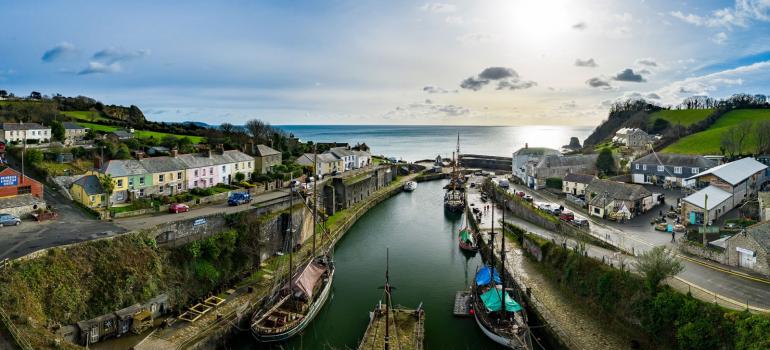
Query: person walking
point(673, 236)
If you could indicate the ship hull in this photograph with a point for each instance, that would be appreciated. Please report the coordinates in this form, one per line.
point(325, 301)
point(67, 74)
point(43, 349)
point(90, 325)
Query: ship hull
point(504, 341)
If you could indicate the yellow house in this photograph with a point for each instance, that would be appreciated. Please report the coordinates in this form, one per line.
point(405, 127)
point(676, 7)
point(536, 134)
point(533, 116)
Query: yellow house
point(88, 191)
point(168, 175)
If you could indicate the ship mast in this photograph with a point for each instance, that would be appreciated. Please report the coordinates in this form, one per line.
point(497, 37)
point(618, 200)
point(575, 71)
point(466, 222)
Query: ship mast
point(502, 263)
point(315, 195)
point(387, 299)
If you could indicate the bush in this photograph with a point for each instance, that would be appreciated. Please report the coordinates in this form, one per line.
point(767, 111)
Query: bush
point(239, 177)
point(33, 156)
point(553, 182)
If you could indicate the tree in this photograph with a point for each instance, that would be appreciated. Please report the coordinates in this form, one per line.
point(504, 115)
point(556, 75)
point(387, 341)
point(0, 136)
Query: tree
point(729, 141)
point(660, 125)
point(762, 136)
point(227, 128)
point(57, 130)
point(35, 95)
point(656, 265)
point(122, 152)
point(742, 132)
point(169, 141)
point(108, 185)
point(605, 162)
point(239, 177)
point(33, 156)
point(3, 93)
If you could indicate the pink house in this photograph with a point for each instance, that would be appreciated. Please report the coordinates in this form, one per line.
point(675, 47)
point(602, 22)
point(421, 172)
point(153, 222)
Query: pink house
point(201, 171)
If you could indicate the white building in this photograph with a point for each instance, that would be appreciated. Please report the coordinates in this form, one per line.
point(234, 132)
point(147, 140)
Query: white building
point(25, 132)
point(362, 158)
point(526, 156)
point(348, 157)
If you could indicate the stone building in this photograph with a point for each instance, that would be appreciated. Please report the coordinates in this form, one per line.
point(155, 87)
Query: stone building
point(343, 192)
point(523, 157)
point(73, 132)
point(615, 199)
point(750, 249)
point(265, 159)
point(669, 169)
point(633, 138)
point(576, 184)
point(558, 166)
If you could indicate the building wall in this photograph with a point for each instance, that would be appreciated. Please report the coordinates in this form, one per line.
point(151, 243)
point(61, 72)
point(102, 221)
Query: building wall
point(206, 177)
point(746, 242)
point(263, 164)
point(21, 135)
point(36, 188)
point(167, 183)
point(80, 195)
point(574, 188)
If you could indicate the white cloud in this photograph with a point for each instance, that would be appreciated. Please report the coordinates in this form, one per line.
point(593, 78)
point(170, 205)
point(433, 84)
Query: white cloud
point(710, 83)
point(740, 15)
point(438, 7)
point(95, 67)
point(474, 38)
point(454, 20)
point(720, 38)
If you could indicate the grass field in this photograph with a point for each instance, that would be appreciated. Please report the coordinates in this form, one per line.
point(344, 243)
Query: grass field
point(86, 116)
point(708, 141)
point(139, 133)
point(685, 117)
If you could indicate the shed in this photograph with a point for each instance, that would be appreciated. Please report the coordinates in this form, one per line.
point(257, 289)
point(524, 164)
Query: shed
point(97, 329)
point(158, 305)
point(126, 317)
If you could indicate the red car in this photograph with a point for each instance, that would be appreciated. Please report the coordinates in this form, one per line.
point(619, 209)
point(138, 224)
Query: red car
point(178, 208)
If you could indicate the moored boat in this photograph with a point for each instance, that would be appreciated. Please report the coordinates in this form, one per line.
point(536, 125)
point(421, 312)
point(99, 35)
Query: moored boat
point(410, 186)
point(454, 198)
point(467, 240)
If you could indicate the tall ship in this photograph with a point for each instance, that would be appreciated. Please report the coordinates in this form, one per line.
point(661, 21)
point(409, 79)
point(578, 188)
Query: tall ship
point(454, 198)
point(467, 239)
point(393, 327)
point(299, 297)
point(500, 317)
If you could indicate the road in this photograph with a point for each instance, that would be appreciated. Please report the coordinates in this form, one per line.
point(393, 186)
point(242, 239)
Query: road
point(637, 236)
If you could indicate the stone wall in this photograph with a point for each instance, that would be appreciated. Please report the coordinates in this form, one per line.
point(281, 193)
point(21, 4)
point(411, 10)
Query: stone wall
point(747, 242)
point(712, 254)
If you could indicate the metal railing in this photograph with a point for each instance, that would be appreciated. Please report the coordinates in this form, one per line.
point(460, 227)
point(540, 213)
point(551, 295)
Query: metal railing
point(15, 333)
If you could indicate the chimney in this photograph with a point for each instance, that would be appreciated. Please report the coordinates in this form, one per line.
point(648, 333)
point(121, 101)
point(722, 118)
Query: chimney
point(221, 148)
point(97, 162)
point(208, 152)
point(139, 155)
point(174, 152)
point(526, 145)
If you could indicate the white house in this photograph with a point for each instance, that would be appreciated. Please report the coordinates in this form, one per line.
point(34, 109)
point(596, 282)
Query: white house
point(25, 132)
point(526, 156)
point(362, 158)
point(348, 157)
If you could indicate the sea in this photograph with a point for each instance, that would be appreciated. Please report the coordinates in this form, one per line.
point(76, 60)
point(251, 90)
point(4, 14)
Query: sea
point(417, 142)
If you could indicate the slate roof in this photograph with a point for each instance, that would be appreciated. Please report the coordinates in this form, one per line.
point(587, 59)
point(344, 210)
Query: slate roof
point(618, 190)
point(734, 172)
point(122, 134)
point(262, 150)
point(307, 159)
point(199, 160)
point(163, 164)
point(23, 126)
point(90, 184)
point(761, 233)
point(73, 126)
point(535, 151)
point(715, 194)
point(671, 159)
point(341, 152)
point(553, 160)
point(579, 178)
point(127, 167)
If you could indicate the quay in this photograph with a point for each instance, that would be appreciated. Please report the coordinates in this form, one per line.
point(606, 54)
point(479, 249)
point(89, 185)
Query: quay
point(462, 303)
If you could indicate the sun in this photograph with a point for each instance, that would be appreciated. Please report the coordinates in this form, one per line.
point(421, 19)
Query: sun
point(539, 22)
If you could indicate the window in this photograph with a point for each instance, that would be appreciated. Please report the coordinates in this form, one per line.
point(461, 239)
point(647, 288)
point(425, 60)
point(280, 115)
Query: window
point(141, 192)
point(677, 170)
point(160, 189)
point(661, 168)
point(236, 166)
point(102, 198)
point(195, 183)
point(223, 169)
point(24, 189)
point(141, 180)
point(195, 173)
point(131, 181)
point(160, 177)
point(211, 171)
point(93, 198)
point(637, 166)
point(179, 175)
point(120, 182)
point(694, 170)
point(179, 187)
point(644, 166)
point(211, 182)
point(249, 164)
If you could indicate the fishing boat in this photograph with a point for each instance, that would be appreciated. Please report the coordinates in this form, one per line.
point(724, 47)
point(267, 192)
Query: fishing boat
point(410, 186)
point(393, 327)
point(466, 237)
point(454, 198)
point(297, 300)
point(500, 317)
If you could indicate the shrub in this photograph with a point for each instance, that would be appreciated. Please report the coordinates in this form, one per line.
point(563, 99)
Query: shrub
point(553, 182)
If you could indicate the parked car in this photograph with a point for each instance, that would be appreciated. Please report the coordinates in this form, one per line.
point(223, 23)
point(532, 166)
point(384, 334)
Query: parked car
point(661, 227)
point(679, 228)
point(543, 206)
point(294, 183)
point(239, 198)
point(177, 208)
point(9, 220)
point(521, 194)
point(731, 226)
point(504, 183)
point(567, 216)
point(579, 220)
point(528, 198)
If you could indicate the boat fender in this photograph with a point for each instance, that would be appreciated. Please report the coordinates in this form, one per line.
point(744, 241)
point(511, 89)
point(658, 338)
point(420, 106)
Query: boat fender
point(471, 311)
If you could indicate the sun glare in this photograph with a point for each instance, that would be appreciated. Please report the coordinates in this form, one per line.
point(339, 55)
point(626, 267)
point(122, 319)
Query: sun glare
point(538, 22)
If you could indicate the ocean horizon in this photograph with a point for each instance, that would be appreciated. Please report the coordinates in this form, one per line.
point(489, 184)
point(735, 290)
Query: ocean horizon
point(416, 142)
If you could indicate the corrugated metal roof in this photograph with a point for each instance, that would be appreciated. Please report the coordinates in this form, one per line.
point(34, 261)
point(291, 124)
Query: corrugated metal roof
point(735, 172)
point(715, 194)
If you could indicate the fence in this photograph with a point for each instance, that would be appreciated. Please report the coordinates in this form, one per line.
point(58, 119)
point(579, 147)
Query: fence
point(15, 334)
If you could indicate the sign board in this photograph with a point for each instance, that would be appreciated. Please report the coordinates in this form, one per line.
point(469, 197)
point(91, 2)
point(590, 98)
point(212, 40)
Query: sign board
point(708, 229)
point(745, 251)
point(198, 222)
point(670, 228)
point(692, 218)
point(9, 180)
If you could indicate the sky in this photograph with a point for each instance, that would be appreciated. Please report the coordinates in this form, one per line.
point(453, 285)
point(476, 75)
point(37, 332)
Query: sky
point(480, 62)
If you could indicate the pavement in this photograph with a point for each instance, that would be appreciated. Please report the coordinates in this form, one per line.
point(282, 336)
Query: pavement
point(637, 236)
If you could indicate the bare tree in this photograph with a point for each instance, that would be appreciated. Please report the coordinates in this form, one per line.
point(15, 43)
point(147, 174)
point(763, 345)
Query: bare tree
point(743, 130)
point(227, 128)
point(260, 131)
point(762, 136)
point(729, 141)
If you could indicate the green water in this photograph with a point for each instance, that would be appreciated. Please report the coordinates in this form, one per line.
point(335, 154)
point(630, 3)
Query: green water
point(425, 266)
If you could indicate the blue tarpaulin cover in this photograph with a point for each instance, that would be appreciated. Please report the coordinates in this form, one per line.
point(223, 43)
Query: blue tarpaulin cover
point(483, 276)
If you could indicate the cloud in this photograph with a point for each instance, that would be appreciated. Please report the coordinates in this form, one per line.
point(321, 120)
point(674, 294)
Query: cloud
point(629, 75)
point(586, 63)
point(740, 15)
point(472, 38)
point(454, 20)
point(580, 26)
point(112, 55)
point(506, 78)
point(60, 51)
point(720, 38)
point(432, 89)
point(429, 109)
point(598, 83)
point(437, 7)
point(96, 67)
point(649, 62)
point(652, 96)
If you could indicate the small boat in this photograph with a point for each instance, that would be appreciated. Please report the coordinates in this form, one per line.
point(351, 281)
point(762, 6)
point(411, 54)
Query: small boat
point(410, 186)
point(467, 240)
point(394, 327)
point(297, 300)
point(497, 313)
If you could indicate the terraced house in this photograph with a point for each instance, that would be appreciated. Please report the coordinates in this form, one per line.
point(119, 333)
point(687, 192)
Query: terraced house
point(130, 177)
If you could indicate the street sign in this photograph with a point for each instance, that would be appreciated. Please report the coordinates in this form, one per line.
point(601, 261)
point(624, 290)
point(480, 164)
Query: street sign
point(9, 180)
point(708, 229)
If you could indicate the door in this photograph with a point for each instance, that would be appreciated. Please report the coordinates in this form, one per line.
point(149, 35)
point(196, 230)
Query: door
point(747, 260)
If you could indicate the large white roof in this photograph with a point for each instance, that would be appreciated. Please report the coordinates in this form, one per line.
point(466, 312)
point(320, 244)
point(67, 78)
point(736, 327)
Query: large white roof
point(715, 194)
point(735, 172)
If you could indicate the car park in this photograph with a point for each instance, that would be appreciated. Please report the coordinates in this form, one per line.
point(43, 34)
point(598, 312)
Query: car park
point(178, 208)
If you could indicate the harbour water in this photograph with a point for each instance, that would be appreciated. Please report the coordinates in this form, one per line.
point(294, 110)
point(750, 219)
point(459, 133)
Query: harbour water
point(412, 143)
point(426, 266)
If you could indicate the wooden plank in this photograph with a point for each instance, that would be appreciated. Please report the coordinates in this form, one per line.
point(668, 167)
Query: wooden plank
point(462, 303)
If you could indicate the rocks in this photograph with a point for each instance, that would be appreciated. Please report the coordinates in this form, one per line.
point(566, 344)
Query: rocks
point(574, 144)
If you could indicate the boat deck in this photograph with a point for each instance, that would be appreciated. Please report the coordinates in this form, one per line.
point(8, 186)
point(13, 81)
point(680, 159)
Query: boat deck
point(406, 334)
point(462, 303)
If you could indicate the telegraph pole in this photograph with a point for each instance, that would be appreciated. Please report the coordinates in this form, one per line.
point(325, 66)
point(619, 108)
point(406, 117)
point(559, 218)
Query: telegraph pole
point(705, 218)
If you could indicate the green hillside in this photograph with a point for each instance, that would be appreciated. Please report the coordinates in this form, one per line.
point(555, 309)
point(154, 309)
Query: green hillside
point(685, 117)
point(708, 141)
point(86, 116)
point(139, 133)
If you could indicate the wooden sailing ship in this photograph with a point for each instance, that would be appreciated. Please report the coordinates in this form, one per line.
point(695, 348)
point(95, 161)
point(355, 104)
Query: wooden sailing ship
point(393, 327)
point(500, 317)
point(467, 239)
point(296, 301)
point(454, 198)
